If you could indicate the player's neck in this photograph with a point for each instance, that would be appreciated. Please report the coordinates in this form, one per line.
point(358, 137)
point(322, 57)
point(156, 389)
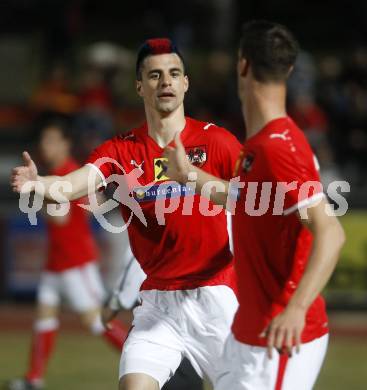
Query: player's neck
point(162, 128)
point(263, 104)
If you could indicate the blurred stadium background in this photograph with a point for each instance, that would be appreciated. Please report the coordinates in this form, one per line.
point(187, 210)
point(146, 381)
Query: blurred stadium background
point(76, 58)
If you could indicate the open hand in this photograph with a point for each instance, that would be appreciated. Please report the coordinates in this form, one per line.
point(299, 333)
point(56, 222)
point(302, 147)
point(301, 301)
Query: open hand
point(22, 175)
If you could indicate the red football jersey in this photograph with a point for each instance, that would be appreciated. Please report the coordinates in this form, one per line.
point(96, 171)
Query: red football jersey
point(188, 251)
point(272, 251)
point(70, 244)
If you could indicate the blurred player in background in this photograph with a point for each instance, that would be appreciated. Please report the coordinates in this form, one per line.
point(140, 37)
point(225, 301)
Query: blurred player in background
point(187, 299)
point(283, 259)
point(71, 271)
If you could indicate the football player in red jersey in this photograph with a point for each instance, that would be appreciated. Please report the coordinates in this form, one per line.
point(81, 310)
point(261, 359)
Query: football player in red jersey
point(71, 270)
point(187, 299)
point(286, 240)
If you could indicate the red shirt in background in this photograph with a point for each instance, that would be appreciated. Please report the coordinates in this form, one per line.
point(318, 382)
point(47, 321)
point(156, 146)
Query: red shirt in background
point(70, 244)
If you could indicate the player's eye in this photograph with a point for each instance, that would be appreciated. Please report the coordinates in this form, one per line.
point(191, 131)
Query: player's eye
point(154, 76)
point(175, 74)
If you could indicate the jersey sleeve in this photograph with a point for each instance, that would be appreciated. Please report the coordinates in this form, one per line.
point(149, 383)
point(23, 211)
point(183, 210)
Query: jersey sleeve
point(104, 159)
point(226, 152)
point(295, 172)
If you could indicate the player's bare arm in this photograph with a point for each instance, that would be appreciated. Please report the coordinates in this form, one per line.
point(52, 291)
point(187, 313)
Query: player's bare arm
point(25, 179)
point(179, 169)
point(285, 329)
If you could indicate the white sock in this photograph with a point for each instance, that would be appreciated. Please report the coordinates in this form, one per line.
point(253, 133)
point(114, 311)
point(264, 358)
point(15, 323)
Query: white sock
point(46, 324)
point(97, 327)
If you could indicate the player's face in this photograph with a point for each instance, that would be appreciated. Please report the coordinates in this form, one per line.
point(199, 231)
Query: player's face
point(53, 145)
point(163, 84)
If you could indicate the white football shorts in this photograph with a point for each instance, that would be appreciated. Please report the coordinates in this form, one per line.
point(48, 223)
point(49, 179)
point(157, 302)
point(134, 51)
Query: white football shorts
point(170, 325)
point(247, 367)
point(81, 287)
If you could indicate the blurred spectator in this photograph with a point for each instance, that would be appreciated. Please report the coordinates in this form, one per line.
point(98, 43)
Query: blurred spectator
point(356, 69)
point(94, 94)
point(214, 89)
point(330, 91)
point(54, 93)
point(327, 89)
point(310, 118)
point(342, 91)
point(329, 170)
point(94, 121)
point(303, 78)
point(356, 96)
point(107, 55)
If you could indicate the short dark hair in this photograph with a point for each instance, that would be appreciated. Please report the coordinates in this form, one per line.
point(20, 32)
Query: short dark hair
point(270, 48)
point(153, 47)
point(61, 123)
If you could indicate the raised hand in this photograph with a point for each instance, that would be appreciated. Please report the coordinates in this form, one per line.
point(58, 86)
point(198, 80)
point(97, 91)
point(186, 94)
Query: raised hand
point(178, 166)
point(21, 175)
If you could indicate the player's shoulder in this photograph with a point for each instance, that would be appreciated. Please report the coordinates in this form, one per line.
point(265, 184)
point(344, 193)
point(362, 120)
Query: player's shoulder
point(123, 139)
point(283, 137)
point(207, 127)
point(287, 146)
point(211, 130)
point(132, 136)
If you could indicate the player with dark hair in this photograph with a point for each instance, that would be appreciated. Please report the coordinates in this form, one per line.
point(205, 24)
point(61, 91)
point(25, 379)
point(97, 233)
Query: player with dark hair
point(71, 271)
point(187, 299)
point(283, 258)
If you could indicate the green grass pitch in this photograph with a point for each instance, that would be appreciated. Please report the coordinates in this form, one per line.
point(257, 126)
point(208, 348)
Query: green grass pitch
point(82, 362)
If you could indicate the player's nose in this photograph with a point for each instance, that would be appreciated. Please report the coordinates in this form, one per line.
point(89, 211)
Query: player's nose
point(166, 80)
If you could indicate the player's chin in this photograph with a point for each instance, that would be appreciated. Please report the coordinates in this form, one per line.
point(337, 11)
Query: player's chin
point(166, 107)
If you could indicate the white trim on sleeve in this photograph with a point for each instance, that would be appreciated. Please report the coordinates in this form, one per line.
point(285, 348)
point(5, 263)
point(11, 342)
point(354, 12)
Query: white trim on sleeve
point(304, 203)
point(104, 182)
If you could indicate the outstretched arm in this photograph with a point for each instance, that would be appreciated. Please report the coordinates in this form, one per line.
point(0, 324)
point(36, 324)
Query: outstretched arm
point(286, 328)
point(26, 179)
point(180, 169)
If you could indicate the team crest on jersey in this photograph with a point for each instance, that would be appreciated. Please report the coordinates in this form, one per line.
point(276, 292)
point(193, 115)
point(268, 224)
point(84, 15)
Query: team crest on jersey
point(197, 155)
point(247, 162)
point(160, 169)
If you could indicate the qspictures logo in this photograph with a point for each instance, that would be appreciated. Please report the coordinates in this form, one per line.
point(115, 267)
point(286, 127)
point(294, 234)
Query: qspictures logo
point(253, 198)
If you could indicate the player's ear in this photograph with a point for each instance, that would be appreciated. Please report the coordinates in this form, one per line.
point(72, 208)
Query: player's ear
point(139, 88)
point(186, 81)
point(243, 67)
point(290, 71)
